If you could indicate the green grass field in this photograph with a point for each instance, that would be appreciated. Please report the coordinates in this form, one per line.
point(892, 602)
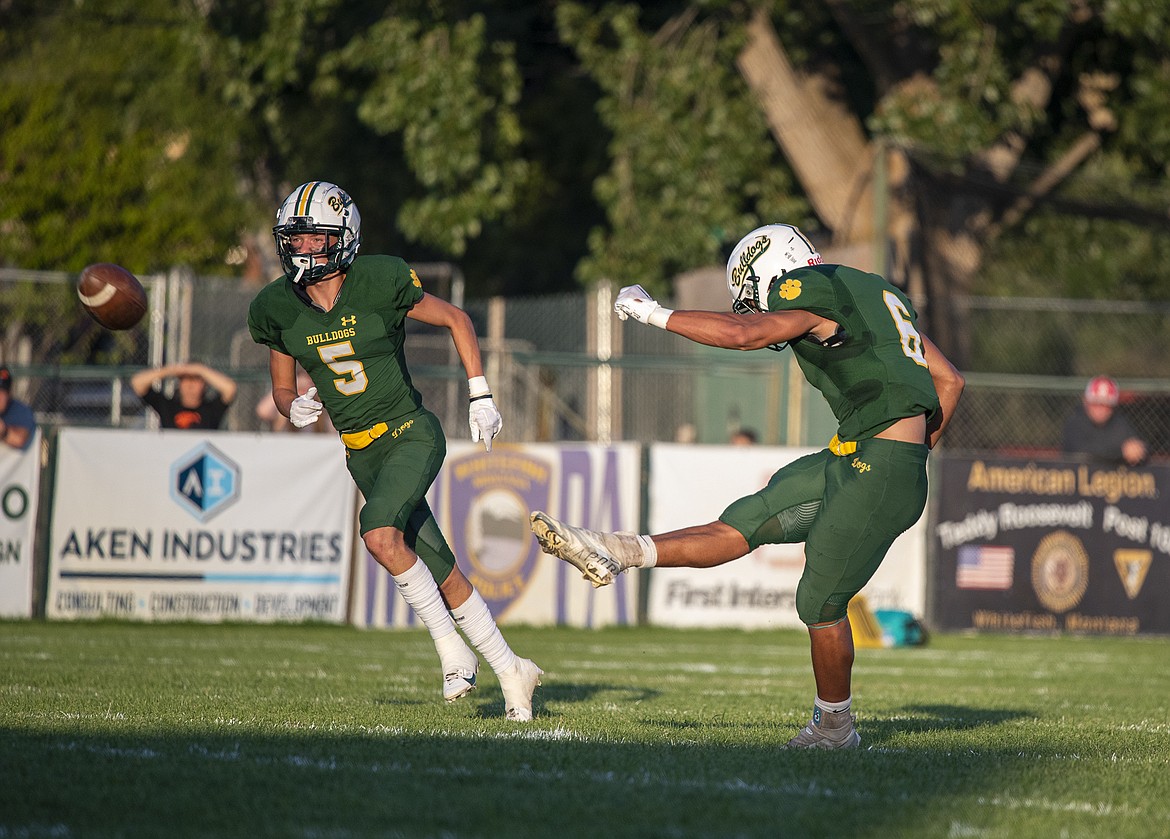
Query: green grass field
point(316, 731)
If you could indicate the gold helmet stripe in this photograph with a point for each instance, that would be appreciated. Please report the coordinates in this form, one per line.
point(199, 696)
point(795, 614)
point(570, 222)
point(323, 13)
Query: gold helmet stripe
point(305, 197)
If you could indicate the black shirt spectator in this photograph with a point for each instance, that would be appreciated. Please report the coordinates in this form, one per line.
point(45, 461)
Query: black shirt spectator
point(193, 405)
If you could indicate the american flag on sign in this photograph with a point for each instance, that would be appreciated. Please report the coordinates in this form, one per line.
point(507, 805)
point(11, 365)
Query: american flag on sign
point(985, 567)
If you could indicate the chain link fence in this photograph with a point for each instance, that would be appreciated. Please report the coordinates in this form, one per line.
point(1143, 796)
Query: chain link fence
point(564, 368)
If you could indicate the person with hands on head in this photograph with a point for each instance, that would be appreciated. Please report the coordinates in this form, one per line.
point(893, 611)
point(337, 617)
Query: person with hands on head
point(892, 392)
point(342, 318)
point(201, 398)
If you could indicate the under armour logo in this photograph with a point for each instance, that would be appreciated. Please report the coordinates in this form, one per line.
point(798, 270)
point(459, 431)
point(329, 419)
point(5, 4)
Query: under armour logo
point(349, 320)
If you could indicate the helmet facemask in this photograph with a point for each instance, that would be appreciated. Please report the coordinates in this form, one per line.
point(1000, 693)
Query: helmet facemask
point(307, 267)
point(746, 300)
point(317, 208)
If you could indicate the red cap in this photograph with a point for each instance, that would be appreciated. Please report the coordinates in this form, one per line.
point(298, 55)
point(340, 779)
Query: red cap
point(1102, 390)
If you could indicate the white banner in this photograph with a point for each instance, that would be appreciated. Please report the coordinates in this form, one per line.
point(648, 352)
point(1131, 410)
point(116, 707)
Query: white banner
point(180, 525)
point(692, 485)
point(20, 473)
point(482, 502)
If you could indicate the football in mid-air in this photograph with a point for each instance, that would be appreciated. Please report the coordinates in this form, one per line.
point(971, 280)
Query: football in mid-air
point(112, 295)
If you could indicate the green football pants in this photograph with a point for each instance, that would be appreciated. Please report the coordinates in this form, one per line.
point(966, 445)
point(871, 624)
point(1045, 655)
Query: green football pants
point(394, 473)
point(847, 510)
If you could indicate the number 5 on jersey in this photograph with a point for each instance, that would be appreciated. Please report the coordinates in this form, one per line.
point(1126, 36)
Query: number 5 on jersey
point(354, 379)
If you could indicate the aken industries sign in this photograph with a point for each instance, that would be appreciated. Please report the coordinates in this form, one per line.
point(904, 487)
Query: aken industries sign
point(147, 526)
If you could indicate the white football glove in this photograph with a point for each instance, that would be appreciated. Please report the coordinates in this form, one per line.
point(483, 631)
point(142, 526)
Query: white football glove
point(305, 409)
point(635, 302)
point(485, 420)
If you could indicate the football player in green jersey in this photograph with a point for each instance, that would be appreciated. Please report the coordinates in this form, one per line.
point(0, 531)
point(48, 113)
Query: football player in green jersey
point(342, 317)
point(892, 393)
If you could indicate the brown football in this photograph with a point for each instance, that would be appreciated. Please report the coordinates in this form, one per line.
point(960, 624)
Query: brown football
point(112, 295)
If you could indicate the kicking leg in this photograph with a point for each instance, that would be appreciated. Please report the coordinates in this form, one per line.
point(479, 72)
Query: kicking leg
point(600, 557)
point(781, 512)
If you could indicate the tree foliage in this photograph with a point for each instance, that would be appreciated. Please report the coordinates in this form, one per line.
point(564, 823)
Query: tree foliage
point(116, 146)
point(691, 166)
point(542, 144)
point(1016, 121)
point(451, 97)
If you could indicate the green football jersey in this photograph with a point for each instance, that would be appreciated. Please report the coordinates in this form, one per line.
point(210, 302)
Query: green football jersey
point(878, 374)
point(354, 352)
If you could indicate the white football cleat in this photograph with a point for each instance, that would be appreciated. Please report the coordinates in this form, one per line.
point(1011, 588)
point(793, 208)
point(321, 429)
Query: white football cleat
point(459, 676)
point(600, 557)
point(518, 683)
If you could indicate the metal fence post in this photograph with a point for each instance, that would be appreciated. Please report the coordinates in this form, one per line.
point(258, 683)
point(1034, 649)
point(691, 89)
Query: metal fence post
point(604, 344)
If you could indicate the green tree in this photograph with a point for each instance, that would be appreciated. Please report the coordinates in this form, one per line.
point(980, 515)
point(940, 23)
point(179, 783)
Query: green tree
point(451, 97)
point(419, 111)
point(536, 142)
point(116, 145)
point(691, 165)
point(1024, 127)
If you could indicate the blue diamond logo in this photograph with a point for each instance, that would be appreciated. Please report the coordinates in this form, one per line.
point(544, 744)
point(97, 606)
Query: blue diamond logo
point(205, 482)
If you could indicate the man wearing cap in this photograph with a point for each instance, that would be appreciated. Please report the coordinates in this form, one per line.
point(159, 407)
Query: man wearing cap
point(1099, 430)
point(17, 422)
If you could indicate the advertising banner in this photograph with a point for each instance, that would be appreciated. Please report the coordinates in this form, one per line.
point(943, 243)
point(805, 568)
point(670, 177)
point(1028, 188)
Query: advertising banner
point(179, 525)
point(20, 473)
point(1051, 545)
point(692, 485)
point(482, 501)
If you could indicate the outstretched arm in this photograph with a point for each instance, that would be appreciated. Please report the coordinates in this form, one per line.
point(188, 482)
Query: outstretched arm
point(948, 383)
point(745, 332)
point(722, 329)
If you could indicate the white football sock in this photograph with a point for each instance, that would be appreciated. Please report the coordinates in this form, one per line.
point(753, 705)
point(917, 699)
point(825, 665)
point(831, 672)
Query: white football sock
point(454, 652)
point(476, 621)
point(418, 589)
point(834, 707)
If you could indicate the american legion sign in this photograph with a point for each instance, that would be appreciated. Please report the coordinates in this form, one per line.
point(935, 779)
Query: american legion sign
point(1050, 545)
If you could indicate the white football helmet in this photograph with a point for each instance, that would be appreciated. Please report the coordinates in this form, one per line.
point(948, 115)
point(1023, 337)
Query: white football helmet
point(318, 207)
point(760, 258)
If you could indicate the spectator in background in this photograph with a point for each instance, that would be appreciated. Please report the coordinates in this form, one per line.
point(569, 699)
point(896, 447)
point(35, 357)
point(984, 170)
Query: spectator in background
point(1099, 430)
point(743, 437)
point(17, 422)
point(199, 401)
